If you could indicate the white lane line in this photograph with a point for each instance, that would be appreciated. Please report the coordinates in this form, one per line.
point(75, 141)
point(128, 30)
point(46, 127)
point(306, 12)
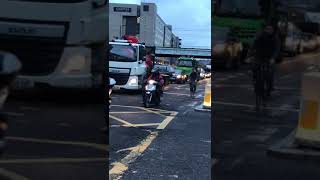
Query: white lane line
point(179, 94)
point(253, 106)
point(53, 160)
point(193, 104)
point(122, 166)
point(47, 141)
point(11, 175)
point(166, 121)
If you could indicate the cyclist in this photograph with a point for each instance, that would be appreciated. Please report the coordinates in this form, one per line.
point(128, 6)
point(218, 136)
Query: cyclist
point(266, 49)
point(193, 81)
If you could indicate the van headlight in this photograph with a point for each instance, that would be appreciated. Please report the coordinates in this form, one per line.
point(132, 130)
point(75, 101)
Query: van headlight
point(133, 81)
point(75, 64)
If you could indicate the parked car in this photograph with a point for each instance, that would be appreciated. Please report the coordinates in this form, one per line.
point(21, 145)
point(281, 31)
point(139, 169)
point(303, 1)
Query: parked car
point(227, 49)
point(178, 77)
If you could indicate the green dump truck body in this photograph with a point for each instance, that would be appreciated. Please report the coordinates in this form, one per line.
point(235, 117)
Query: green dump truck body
point(186, 65)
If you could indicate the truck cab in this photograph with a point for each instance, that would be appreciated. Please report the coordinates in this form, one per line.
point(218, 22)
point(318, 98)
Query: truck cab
point(60, 43)
point(127, 64)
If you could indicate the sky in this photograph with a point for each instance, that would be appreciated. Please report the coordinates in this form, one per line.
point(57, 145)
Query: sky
point(190, 19)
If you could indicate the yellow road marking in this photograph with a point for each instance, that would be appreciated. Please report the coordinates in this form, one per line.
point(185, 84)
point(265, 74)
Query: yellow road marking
point(122, 121)
point(52, 160)
point(11, 175)
point(160, 112)
point(120, 167)
point(142, 108)
point(83, 144)
point(131, 112)
point(147, 124)
point(167, 120)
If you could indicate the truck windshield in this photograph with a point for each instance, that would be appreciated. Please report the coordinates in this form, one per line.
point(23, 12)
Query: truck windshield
point(238, 8)
point(122, 53)
point(185, 63)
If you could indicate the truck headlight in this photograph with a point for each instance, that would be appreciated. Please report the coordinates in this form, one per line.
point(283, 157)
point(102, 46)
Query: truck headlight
point(133, 81)
point(75, 64)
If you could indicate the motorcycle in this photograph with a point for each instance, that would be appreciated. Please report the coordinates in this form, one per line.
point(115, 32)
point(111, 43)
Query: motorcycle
point(151, 94)
point(112, 82)
point(9, 68)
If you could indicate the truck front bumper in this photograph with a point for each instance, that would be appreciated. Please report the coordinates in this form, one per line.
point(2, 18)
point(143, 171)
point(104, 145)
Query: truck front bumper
point(82, 81)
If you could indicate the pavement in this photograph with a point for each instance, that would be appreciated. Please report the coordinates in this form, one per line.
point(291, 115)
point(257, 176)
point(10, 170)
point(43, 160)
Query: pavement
point(172, 141)
point(242, 137)
point(55, 135)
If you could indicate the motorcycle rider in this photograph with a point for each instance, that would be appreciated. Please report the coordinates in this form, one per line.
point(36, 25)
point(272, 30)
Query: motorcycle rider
point(149, 63)
point(266, 48)
point(156, 76)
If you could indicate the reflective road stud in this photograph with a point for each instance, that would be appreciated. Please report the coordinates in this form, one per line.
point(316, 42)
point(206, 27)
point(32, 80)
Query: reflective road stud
point(207, 96)
point(308, 131)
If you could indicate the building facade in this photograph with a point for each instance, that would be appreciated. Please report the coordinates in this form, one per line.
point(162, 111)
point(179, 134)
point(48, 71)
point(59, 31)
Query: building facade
point(141, 21)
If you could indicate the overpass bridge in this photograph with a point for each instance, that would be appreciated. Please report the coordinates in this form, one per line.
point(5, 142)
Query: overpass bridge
point(178, 52)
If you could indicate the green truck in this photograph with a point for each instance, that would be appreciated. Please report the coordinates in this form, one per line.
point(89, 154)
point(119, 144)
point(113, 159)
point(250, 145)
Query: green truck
point(243, 18)
point(186, 65)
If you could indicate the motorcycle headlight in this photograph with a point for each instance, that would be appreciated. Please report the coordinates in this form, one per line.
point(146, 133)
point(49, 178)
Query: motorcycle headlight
point(151, 81)
point(150, 87)
point(179, 76)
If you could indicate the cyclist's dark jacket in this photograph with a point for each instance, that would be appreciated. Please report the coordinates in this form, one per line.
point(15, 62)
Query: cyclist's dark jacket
point(193, 76)
point(266, 46)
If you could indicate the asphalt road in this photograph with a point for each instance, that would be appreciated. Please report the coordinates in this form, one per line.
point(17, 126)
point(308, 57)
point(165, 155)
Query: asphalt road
point(172, 141)
point(241, 136)
point(55, 136)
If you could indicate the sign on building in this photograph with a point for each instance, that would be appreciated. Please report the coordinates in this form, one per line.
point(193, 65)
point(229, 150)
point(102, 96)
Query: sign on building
point(121, 9)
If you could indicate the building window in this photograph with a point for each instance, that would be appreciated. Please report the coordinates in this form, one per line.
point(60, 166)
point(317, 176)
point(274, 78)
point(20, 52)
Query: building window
point(145, 8)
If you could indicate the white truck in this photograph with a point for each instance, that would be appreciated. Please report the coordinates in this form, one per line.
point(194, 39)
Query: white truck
point(127, 64)
point(60, 43)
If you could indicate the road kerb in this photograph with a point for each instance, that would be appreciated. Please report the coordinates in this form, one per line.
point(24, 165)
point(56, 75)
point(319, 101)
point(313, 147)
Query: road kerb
point(287, 148)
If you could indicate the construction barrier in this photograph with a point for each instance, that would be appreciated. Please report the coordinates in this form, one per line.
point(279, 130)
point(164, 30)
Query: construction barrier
point(308, 131)
point(207, 96)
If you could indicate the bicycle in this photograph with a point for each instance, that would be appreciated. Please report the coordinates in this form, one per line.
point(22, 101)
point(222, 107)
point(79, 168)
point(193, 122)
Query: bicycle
point(261, 75)
point(193, 88)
